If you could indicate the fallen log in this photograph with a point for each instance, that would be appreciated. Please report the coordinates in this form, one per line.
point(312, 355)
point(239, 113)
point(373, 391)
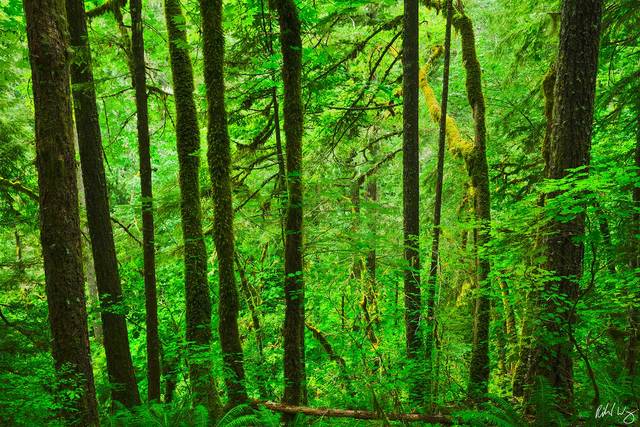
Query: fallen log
point(354, 413)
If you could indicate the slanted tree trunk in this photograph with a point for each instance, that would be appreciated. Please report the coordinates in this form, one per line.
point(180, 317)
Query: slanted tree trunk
point(198, 297)
point(150, 292)
point(569, 148)
point(411, 175)
point(294, 359)
point(219, 156)
point(116, 338)
point(437, 209)
point(59, 216)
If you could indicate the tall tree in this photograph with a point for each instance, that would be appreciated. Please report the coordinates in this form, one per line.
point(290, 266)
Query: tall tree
point(198, 298)
point(437, 208)
point(144, 153)
point(633, 344)
point(479, 174)
point(219, 157)
point(59, 216)
point(411, 175)
point(523, 367)
point(116, 339)
point(570, 144)
point(294, 347)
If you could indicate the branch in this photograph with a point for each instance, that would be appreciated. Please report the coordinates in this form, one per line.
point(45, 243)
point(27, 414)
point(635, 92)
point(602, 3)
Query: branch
point(356, 108)
point(104, 8)
point(126, 230)
point(456, 143)
point(360, 179)
point(359, 46)
point(322, 339)
point(353, 413)
point(17, 186)
point(29, 334)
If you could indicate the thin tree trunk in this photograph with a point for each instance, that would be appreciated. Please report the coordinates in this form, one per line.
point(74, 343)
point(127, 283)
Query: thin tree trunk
point(570, 144)
point(93, 298)
point(371, 292)
point(219, 156)
point(105, 264)
point(437, 209)
point(19, 259)
point(294, 358)
point(59, 216)
point(151, 299)
point(252, 299)
point(198, 297)
point(411, 174)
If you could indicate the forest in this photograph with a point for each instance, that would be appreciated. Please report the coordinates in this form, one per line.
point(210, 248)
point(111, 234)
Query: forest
point(329, 213)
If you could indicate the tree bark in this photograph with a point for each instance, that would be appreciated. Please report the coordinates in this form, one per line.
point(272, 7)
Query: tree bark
point(411, 175)
point(633, 344)
point(570, 143)
point(437, 209)
point(116, 338)
point(59, 217)
point(294, 359)
point(144, 152)
point(197, 295)
point(219, 157)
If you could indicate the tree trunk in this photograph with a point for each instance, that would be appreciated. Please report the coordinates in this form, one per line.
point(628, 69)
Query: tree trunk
point(151, 299)
point(371, 292)
point(525, 351)
point(294, 359)
point(569, 148)
point(116, 338)
point(219, 156)
point(479, 174)
point(633, 344)
point(59, 216)
point(437, 209)
point(410, 175)
point(93, 298)
point(357, 414)
point(198, 298)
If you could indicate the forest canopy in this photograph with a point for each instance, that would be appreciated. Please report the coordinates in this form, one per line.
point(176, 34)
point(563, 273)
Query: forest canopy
point(301, 212)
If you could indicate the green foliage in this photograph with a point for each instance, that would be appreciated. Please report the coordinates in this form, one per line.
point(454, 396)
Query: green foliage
point(353, 116)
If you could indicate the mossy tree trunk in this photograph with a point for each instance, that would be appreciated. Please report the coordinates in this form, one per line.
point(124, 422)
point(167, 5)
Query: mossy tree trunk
point(114, 325)
point(59, 216)
point(144, 152)
point(219, 157)
point(411, 175)
point(569, 147)
point(197, 295)
point(633, 344)
point(437, 210)
point(294, 358)
point(479, 174)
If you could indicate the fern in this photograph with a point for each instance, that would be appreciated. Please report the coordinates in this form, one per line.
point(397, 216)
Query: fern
point(246, 416)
